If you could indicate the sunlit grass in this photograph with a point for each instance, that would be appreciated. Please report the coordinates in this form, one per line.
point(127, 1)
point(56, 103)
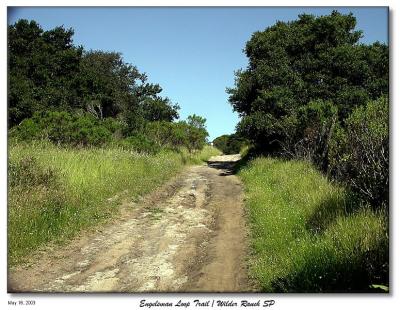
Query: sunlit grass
point(85, 187)
point(203, 155)
point(309, 235)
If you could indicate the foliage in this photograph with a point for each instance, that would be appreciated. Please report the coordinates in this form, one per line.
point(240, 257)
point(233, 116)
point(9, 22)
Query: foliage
point(308, 60)
point(196, 132)
point(166, 134)
point(87, 130)
point(359, 153)
point(230, 144)
point(106, 83)
point(303, 93)
point(110, 87)
point(315, 123)
point(74, 97)
point(139, 143)
point(293, 63)
point(190, 133)
point(309, 235)
point(159, 109)
point(42, 69)
point(65, 128)
point(47, 72)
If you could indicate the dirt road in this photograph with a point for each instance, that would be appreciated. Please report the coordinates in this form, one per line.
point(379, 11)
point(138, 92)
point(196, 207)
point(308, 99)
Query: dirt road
point(188, 236)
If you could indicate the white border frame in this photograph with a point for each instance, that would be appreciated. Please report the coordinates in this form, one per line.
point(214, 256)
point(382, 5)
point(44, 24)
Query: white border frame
point(283, 301)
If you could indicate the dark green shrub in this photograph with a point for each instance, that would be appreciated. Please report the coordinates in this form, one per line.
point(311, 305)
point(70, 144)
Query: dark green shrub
point(113, 125)
point(190, 134)
point(315, 124)
point(86, 130)
point(162, 133)
point(55, 126)
point(139, 143)
point(359, 152)
point(65, 128)
point(195, 132)
point(27, 130)
point(230, 144)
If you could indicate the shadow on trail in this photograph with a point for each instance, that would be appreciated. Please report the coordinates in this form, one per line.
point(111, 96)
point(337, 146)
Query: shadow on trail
point(228, 167)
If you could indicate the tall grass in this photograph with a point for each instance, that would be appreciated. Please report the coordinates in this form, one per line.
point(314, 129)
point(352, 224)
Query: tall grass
point(309, 235)
point(202, 156)
point(56, 192)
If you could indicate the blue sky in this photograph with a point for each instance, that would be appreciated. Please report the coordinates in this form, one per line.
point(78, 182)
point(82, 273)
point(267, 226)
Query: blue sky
point(191, 52)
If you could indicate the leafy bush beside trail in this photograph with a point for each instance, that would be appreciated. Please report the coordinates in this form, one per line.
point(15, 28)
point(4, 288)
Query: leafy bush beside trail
point(61, 127)
point(359, 152)
point(65, 128)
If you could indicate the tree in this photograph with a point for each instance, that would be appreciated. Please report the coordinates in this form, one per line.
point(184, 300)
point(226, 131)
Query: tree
point(312, 91)
point(107, 84)
point(112, 88)
point(42, 69)
point(230, 144)
point(196, 132)
point(197, 121)
point(56, 88)
point(159, 109)
point(292, 64)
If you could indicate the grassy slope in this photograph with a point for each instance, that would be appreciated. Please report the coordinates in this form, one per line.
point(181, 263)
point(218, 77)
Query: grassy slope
point(55, 192)
point(308, 235)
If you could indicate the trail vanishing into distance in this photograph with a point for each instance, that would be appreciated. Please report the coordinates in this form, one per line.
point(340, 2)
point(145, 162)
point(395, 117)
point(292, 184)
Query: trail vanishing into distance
point(188, 236)
point(111, 189)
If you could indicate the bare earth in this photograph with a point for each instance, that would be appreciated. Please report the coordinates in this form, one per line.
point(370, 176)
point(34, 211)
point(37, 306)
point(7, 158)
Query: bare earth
point(188, 236)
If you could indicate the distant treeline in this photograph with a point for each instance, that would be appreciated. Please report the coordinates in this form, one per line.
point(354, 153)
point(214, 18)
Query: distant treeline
point(60, 92)
point(312, 91)
point(230, 144)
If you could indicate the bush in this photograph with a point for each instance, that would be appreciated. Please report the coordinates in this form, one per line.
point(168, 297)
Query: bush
point(65, 128)
point(86, 130)
point(176, 135)
point(165, 134)
point(359, 152)
point(140, 144)
point(315, 123)
point(113, 125)
point(27, 130)
point(230, 144)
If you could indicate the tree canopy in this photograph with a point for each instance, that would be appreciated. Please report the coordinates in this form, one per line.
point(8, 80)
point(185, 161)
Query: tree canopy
point(306, 83)
point(294, 64)
point(51, 79)
point(43, 66)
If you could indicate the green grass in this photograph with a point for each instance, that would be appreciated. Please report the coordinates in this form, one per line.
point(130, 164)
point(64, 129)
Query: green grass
point(200, 157)
point(309, 235)
point(56, 192)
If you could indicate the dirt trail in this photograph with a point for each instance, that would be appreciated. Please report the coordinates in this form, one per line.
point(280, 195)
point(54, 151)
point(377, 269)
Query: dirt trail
point(189, 235)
